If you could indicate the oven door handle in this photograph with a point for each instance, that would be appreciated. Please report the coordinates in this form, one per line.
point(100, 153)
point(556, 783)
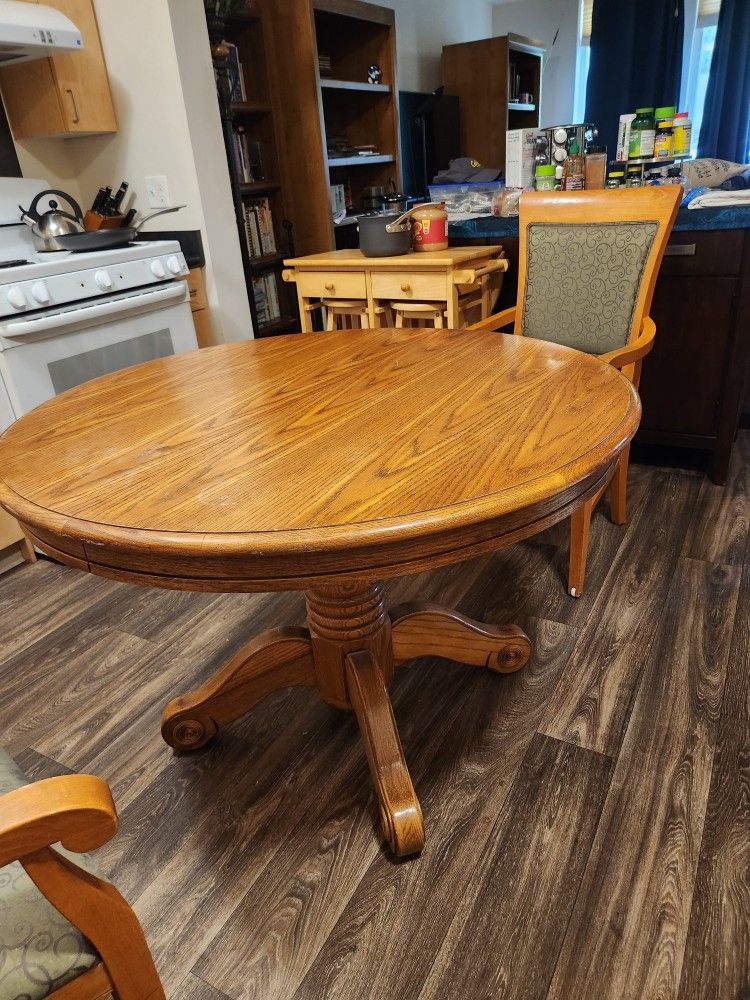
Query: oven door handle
point(86, 315)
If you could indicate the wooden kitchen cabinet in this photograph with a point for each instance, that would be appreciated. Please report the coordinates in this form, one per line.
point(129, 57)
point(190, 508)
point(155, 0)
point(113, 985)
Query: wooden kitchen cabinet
point(692, 382)
point(199, 307)
point(66, 94)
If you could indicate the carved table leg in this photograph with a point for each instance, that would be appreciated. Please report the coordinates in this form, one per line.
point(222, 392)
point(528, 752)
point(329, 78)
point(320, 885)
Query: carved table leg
point(275, 659)
point(424, 629)
point(400, 812)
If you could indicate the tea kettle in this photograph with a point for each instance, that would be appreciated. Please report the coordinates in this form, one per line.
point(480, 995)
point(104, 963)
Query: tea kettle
point(47, 226)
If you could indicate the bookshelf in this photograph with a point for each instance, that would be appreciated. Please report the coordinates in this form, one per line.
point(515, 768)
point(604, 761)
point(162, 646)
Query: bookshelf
point(321, 52)
point(247, 104)
point(488, 76)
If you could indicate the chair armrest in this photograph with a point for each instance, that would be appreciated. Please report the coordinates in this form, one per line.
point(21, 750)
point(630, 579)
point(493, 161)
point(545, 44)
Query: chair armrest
point(634, 351)
point(76, 810)
point(496, 322)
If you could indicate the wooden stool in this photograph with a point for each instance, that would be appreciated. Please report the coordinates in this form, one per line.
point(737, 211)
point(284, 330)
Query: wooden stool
point(352, 313)
point(419, 314)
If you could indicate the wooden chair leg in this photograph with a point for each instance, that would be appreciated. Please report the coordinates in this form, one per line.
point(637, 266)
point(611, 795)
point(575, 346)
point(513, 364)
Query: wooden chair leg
point(580, 523)
point(330, 319)
point(619, 487)
point(27, 550)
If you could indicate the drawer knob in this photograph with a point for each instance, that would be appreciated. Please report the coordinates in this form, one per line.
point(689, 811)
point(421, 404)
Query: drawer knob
point(406, 287)
point(330, 287)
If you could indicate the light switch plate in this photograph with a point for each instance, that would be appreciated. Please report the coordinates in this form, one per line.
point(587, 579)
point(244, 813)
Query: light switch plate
point(158, 192)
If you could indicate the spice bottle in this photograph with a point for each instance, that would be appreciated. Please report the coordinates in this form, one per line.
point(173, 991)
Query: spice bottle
point(596, 167)
point(663, 140)
point(634, 177)
point(544, 177)
point(616, 176)
point(682, 129)
point(573, 169)
point(642, 135)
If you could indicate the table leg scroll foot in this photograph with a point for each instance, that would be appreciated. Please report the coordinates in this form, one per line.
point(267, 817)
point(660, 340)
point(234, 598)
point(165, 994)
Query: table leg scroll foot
point(425, 629)
point(275, 659)
point(400, 812)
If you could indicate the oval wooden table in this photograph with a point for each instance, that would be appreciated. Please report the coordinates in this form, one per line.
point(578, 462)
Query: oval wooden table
point(323, 462)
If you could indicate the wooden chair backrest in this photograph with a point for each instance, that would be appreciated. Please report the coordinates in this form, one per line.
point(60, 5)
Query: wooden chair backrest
point(656, 204)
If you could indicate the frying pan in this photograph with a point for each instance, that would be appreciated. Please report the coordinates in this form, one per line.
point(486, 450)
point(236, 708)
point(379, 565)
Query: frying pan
point(109, 239)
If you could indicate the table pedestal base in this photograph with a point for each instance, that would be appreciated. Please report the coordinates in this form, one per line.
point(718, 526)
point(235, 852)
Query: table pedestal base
point(349, 652)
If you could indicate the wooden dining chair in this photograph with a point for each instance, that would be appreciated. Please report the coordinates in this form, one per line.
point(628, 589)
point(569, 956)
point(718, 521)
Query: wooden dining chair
point(65, 932)
point(587, 265)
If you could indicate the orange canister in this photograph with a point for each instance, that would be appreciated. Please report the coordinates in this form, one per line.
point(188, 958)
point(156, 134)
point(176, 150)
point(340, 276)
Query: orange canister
point(430, 226)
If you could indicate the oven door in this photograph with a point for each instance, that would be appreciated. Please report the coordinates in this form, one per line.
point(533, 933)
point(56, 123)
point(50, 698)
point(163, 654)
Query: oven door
point(46, 353)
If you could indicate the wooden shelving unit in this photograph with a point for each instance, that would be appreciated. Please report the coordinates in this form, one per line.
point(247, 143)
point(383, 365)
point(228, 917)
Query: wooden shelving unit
point(339, 104)
point(256, 117)
point(482, 75)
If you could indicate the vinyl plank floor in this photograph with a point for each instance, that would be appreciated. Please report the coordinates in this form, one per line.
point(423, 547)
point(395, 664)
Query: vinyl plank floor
point(633, 908)
point(593, 699)
point(586, 818)
point(717, 953)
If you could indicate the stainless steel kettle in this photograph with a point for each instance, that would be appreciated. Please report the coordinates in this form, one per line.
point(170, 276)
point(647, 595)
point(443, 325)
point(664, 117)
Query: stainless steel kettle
point(47, 226)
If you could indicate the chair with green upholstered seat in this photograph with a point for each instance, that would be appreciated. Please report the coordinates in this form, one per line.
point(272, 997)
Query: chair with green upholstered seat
point(64, 932)
point(587, 266)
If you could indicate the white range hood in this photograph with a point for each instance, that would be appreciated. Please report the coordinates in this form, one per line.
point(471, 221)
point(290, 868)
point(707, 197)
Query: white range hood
point(33, 30)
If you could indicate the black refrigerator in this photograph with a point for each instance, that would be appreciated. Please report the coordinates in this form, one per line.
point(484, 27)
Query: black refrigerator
point(430, 137)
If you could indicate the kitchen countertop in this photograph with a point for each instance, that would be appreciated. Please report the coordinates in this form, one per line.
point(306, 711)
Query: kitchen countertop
point(688, 220)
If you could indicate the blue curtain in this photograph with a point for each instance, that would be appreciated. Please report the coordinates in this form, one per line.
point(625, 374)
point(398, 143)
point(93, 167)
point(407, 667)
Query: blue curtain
point(636, 60)
point(725, 131)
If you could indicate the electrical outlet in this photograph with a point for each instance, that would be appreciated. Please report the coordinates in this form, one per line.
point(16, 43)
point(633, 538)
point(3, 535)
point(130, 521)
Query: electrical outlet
point(158, 192)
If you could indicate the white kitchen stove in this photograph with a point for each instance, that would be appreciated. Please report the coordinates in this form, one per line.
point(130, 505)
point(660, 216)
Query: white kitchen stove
point(42, 280)
point(69, 317)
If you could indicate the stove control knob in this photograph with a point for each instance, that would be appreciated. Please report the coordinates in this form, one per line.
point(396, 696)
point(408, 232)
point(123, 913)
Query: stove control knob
point(157, 269)
point(103, 280)
point(40, 292)
point(16, 297)
point(174, 265)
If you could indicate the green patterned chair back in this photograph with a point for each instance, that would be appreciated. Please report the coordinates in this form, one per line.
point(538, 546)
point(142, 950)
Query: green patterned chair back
point(583, 280)
point(39, 950)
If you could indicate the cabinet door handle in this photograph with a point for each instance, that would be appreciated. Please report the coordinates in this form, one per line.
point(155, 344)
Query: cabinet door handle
point(680, 250)
point(330, 287)
point(76, 116)
point(406, 287)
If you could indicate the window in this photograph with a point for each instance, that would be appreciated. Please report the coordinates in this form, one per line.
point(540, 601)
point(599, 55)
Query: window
point(701, 18)
point(693, 94)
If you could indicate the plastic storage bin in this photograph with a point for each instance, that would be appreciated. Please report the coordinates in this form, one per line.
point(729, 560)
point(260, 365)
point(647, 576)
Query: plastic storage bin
point(466, 199)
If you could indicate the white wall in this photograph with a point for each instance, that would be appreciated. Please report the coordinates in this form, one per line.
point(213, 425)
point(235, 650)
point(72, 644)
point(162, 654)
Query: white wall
point(423, 27)
point(161, 76)
point(542, 19)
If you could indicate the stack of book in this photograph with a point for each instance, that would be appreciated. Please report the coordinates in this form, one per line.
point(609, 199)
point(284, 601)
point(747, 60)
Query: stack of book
point(266, 291)
point(236, 75)
point(324, 65)
point(259, 228)
point(248, 156)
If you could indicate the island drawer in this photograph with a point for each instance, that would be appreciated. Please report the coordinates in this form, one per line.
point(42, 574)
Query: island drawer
point(331, 285)
point(409, 286)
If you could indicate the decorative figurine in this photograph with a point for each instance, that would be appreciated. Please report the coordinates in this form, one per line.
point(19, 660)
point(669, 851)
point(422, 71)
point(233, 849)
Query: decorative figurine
point(374, 73)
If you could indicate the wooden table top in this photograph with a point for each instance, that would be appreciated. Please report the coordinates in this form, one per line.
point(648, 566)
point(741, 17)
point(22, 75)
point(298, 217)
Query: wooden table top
point(356, 260)
point(307, 456)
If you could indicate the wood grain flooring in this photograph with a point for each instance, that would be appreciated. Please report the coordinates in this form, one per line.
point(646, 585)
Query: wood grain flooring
point(588, 818)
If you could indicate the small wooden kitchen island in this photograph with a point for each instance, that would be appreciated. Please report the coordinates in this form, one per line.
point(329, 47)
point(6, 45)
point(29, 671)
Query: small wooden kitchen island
point(436, 276)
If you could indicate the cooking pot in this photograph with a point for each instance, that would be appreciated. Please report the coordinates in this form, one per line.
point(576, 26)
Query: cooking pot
point(385, 234)
point(394, 202)
point(47, 227)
